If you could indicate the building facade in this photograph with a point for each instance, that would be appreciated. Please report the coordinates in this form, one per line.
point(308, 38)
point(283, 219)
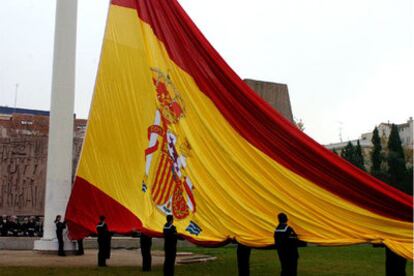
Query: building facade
point(405, 130)
point(23, 159)
point(276, 94)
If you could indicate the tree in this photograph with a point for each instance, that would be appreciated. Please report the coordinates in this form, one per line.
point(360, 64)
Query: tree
point(409, 180)
point(299, 124)
point(396, 161)
point(377, 156)
point(353, 155)
point(348, 153)
point(358, 157)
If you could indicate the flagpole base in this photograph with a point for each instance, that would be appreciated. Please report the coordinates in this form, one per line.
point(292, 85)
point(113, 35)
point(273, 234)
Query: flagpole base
point(50, 246)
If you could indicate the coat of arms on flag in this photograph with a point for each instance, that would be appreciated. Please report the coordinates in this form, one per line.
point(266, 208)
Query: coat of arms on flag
point(165, 158)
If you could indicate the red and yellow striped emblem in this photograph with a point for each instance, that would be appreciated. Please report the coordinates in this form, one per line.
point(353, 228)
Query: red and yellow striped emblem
point(163, 186)
point(167, 162)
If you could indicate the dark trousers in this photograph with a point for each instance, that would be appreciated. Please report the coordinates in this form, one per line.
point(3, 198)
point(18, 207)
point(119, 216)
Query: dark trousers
point(80, 247)
point(146, 243)
point(288, 263)
point(101, 257)
point(169, 261)
point(61, 252)
point(394, 264)
point(104, 248)
point(146, 258)
point(243, 260)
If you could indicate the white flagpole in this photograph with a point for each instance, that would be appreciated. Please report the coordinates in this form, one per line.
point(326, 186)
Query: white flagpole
point(59, 161)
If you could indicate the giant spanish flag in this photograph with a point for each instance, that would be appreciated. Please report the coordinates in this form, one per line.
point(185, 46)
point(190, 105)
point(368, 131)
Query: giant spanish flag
point(173, 130)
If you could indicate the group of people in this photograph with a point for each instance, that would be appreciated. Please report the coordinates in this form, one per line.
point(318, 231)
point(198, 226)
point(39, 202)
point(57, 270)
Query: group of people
point(104, 240)
point(170, 245)
point(60, 227)
point(14, 226)
point(286, 243)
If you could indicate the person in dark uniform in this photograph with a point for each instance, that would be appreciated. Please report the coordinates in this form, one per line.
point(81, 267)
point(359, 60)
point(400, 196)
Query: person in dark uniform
point(80, 250)
point(31, 227)
point(24, 226)
point(4, 223)
point(104, 241)
point(170, 246)
point(13, 227)
point(243, 259)
point(39, 227)
point(394, 264)
point(286, 243)
point(59, 234)
point(146, 243)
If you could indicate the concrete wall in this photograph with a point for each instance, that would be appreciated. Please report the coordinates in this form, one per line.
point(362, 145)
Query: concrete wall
point(26, 243)
point(23, 174)
point(276, 94)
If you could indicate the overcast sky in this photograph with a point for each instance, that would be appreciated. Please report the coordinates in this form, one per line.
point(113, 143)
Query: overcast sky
point(347, 63)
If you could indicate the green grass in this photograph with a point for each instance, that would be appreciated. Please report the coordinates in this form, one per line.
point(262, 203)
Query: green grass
point(355, 260)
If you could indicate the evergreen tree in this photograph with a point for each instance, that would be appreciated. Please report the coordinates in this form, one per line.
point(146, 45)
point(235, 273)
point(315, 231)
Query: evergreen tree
point(353, 154)
point(334, 151)
point(376, 156)
point(409, 180)
point(348, 153)
point(359, 158)
point(299, 124)
point(396, 161)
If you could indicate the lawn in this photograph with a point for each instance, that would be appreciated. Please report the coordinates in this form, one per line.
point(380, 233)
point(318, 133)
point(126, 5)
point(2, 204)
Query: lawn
point(355, 260)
